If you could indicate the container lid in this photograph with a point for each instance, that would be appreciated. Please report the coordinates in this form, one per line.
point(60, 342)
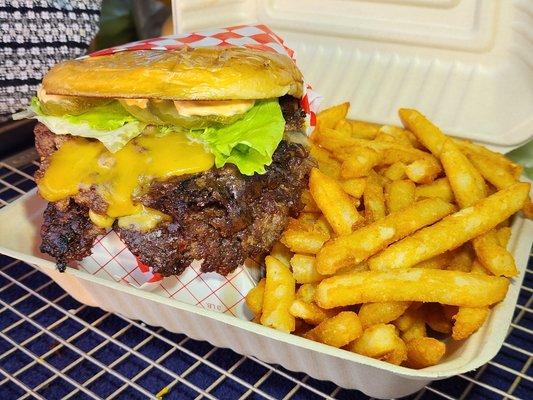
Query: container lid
point(466, 64)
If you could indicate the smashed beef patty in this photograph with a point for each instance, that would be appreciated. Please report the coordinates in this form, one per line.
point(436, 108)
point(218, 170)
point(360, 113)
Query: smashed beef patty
point(219, 216)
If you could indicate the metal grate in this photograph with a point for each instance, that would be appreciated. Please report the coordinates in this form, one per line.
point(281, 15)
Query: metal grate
point(53, 347)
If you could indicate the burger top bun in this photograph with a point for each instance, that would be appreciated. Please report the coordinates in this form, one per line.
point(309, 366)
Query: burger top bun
point(208, 73)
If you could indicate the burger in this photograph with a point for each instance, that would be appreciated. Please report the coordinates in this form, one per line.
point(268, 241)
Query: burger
point(188, 154)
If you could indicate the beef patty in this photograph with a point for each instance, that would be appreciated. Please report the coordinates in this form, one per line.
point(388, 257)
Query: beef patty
point(219, 216)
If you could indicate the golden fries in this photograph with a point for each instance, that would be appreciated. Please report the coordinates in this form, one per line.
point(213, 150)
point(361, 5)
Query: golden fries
point(364, 242)
point(278, 296)
point(402, 241)
point(453, 231)
point(337, 331)
point(427, 285)
point(334, 203)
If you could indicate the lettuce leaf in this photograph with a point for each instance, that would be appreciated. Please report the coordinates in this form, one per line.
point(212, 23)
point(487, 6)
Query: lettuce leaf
point(111, 124)
point(249, 142)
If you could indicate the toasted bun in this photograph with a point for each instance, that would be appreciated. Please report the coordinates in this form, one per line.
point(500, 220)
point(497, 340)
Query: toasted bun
point(187, 74)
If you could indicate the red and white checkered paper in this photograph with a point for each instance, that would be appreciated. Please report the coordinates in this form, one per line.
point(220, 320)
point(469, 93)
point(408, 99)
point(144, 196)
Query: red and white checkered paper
point(111, 259)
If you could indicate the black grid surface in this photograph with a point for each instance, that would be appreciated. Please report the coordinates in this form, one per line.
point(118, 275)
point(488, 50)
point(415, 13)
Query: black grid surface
point(53, 347)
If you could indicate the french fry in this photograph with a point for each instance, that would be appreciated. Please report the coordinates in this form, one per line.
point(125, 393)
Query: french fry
point(495, 173)
point(301, 239)
point(398, 355)
point(395, 172)
point(337, 331)
point(394, 134)
point(308, 202)
point(254, 298)
point(468, 320)
point(377, 313)
point(452, 231)
point(437, 319)
point(399, 195)
point(426, 132)
point(440, 261)
point(303, 269)
point(354, 187)
point(478, 268)
point(424, 352)
point(416, 330)
point(278, 296)
point(438, 286)
point(408, 319)
point(334, 203)
point(493, 256)
point(326, 163)
point(377, 341)
point(309, 312)
point(467, 183)
point(423, 171)
point(344, 126)
point(308, 219)
point(306, 292)
point(440, 188)
point(374, 199)
point(504, 235)
point(359, 163)
point(462, 259)
point(323, 225)
point(330, 116)
point(368, 240)
point(364, 130)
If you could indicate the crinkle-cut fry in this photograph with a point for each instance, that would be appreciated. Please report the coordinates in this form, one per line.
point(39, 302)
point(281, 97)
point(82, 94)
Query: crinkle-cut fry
point(310, 312)
point(467, 183)
point(426, 132)
point(395, 172)
point(303, 269)
point(452, 231)
point(462, 258)
point(399, 195)
point(308, 202)
point(468, 320)
point(326, 163)
point(374, 199)
point(423, 171)
point(439, 188)
point(424, 352)
point(437, 319)
point(440, 261)
point(468, 147)
point(438, 286)
point(306, 292)
point(359, 163)
point(376, 341)
point(504, 235)
point(364, 130)
point(278, 296)
point(493, 256)
point(378, 313)
point(254, 298)
point(281, 252)
point(299, 238)
point(334, 203)
point(329, 117)
point(337, 331)
point(354, 187)
point(370, 239)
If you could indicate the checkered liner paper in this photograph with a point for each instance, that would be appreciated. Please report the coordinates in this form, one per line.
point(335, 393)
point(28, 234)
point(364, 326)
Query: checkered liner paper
point(111, 259)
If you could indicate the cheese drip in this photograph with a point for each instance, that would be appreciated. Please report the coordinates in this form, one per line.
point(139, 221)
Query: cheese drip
point(120, 177)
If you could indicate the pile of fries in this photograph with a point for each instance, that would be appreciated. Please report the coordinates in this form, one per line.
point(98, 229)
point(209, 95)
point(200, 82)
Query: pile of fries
point(402, 242)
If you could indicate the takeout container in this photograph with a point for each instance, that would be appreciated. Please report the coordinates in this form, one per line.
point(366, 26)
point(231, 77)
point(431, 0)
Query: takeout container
point(466, 64)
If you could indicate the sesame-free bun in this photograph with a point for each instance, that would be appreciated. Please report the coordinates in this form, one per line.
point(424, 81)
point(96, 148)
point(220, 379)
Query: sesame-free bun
point(208, 73)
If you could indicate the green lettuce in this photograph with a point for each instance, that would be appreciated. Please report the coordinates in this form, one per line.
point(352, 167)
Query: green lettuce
point(248, 143)
point(111, 124)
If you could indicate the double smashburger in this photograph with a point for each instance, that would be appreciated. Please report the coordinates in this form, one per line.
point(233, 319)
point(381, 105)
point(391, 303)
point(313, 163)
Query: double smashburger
point(190, 154)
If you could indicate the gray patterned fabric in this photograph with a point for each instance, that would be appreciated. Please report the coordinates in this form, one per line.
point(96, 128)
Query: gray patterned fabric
point(35, 35)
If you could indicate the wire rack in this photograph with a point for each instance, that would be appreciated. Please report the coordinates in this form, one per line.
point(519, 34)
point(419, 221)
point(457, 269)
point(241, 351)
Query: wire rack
point(53, 347)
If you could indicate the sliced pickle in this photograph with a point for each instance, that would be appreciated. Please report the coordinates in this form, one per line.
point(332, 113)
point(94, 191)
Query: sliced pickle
point(73, 105)
point(143, 114)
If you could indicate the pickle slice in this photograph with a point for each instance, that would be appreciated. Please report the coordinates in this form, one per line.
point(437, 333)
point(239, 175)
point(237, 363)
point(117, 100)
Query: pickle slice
point(72, 105)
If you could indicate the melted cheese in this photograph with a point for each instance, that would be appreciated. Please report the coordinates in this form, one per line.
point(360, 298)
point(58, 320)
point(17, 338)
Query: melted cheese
point(120, 177)
point(145, 220)
point(224, 108)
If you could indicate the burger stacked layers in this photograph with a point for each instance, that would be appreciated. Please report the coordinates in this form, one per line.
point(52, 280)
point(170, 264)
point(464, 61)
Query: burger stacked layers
point(193, 154)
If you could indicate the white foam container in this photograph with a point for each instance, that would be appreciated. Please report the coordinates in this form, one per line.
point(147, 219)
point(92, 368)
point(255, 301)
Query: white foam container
point(467, 64)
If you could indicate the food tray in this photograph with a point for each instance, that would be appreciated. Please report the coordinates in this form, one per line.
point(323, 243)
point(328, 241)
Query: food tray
point(52, 346)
